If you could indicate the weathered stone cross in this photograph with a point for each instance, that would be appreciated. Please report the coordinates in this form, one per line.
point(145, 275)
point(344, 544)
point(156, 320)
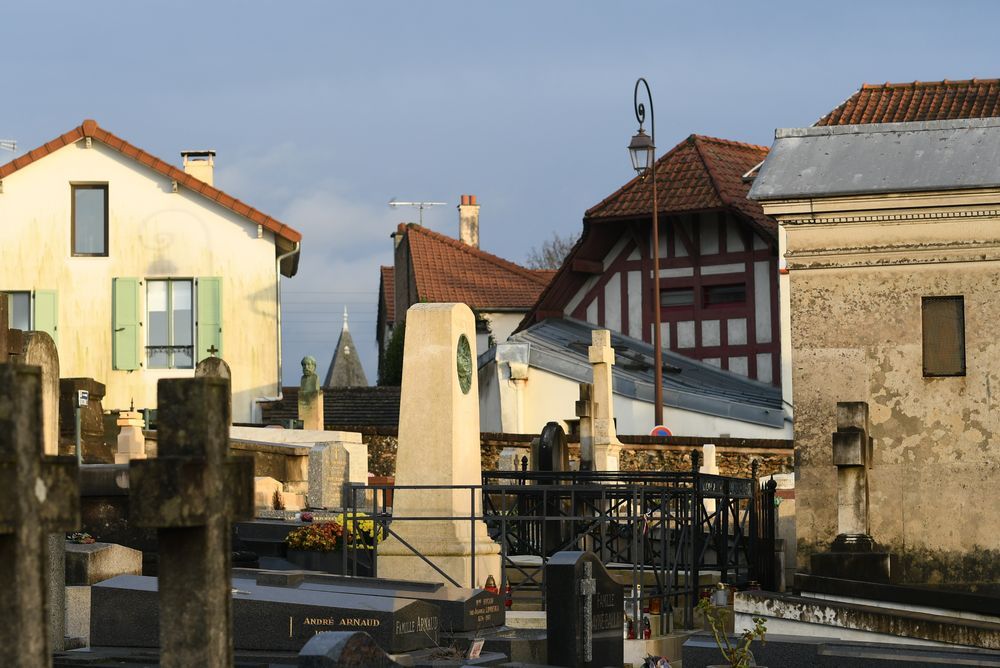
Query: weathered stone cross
point(191, 492)
point(38, 495)
point(588, 588)
point(213, 350)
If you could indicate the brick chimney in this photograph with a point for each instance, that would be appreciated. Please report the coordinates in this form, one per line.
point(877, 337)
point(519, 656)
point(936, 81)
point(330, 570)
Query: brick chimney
point(199, 164)
point(468, 221)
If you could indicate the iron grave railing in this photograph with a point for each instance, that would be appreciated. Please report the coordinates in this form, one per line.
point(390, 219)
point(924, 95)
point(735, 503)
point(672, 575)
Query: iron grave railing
point(660, 531)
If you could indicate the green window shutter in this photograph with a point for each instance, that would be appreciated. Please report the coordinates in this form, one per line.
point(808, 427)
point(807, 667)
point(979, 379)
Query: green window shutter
point(209, 323)
point(46, 318)
point(126, 322)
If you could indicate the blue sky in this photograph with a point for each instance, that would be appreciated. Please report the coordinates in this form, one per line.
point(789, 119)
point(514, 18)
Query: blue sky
point(322, 111)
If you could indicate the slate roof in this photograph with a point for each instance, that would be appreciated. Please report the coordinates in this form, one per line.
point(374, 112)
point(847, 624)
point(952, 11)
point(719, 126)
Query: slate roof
point(447, 270)
point(700, 173)
point(90, 128)
point(559, 346)
point(888, 158)
point(918, 101)
point(342, 407)
point(345, 368)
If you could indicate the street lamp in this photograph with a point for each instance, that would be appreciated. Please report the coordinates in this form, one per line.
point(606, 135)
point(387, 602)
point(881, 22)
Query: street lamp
point(642, 150)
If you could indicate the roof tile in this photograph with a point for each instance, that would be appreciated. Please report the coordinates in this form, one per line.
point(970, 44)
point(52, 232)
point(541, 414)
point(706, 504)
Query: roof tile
point(90, 128)
point(700, 173)
point(447, 270)
point(918, 101)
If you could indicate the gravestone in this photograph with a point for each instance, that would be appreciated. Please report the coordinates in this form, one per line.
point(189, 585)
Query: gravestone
point(215, 367)
point(265, 618)
point(40, 495)
point(607, 448)
point(343, 649)
point(439, 445)
point(553, 455)
point(310, 396)
point(92, 442)
point(584, 614)
point(854, 554)
point(191, 493)
point(461, 609)
point(585, 412)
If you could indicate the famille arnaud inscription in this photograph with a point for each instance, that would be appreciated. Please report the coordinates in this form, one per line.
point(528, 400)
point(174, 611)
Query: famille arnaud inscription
point(584, 612)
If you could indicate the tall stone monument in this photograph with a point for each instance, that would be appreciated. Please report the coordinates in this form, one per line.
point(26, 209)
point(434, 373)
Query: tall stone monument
point(439, 445)
point(854, 554)
point(606, 446)
point(310, 396)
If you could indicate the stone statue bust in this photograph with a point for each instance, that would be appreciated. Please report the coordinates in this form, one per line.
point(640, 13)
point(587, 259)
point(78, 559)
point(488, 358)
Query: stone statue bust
point(310, 381)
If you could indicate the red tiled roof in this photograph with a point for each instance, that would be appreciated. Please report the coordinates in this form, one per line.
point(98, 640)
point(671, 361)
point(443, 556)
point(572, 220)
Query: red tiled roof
point(918, 101)
point(447, 270)
point(700, 173)
point(90, 128)
point(389, 292)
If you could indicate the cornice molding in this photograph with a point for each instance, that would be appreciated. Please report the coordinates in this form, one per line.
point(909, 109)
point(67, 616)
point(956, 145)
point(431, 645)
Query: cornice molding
point(922, 216)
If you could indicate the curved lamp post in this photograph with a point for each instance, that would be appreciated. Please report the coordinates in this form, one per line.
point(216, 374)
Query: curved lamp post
point(642, 149)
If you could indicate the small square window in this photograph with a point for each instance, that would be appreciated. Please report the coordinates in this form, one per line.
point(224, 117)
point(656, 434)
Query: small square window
point(943, 336)
point(90, 220)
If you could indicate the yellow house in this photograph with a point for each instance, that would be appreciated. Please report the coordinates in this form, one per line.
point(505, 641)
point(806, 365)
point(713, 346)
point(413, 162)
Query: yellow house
point(139, 269)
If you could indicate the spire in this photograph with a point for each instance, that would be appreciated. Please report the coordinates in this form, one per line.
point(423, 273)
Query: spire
point(345, 368)
point(345, 318)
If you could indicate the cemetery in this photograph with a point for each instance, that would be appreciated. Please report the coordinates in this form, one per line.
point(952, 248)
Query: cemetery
point(219, 544)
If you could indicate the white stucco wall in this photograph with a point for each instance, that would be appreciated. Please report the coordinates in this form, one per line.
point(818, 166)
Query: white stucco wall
point(502, 324)
point(548, 396)
point(153, 233)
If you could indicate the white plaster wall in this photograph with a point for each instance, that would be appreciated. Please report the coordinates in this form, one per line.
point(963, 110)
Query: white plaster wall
point(502, 325)
point(548, 396)
point(153, 233)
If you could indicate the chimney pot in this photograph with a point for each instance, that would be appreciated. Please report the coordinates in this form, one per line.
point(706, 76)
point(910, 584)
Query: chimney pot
point(468, 221)
point(200, 164)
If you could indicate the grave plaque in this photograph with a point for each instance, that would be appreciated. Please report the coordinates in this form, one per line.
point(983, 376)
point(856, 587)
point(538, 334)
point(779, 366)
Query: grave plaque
point(461, 609)
point(124, 613)
point(584, 612)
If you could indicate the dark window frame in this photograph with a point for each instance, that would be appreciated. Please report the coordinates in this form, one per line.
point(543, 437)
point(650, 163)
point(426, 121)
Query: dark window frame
point(706, 291)
point(938, 373)
point(72, 240)
point(678, 290)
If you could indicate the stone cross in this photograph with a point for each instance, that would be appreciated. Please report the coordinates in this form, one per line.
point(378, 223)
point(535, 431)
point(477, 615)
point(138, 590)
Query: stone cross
point(191, 493)
point(606, 445)
point(588, 587)
point(38, 495)
point(852, 451)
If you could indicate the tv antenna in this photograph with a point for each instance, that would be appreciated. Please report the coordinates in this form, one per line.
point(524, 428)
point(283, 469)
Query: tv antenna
point(417, 205)
point(8, 144)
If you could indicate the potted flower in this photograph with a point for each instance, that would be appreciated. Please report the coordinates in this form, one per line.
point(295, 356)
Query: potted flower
point(316, 547)
point(360, 531)
point(737, 654)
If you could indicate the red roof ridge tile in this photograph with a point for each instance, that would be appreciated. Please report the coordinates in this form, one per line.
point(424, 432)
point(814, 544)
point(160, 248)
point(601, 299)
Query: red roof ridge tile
point(90, 128)
point(915, 84)
point(478, 252)
point(730, 142)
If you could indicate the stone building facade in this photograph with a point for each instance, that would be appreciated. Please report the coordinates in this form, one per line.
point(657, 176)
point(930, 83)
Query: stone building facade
point(891, 234)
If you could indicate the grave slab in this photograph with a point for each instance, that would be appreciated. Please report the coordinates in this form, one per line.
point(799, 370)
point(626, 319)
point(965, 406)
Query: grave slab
point(343, 649)
point(88, 564)
point(461, 609)
point(124, 613)
point(585, 618)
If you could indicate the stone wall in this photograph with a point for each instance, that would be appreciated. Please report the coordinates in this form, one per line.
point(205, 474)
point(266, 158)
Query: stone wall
point(733, 456)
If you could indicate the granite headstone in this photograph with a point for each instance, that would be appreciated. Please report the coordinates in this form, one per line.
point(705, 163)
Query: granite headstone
point(584, 612)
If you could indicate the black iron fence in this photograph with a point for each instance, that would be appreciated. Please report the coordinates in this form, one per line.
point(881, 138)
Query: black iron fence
point(660, 531)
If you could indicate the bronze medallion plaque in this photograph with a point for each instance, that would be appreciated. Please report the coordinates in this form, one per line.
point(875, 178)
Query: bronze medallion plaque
point(464, 364)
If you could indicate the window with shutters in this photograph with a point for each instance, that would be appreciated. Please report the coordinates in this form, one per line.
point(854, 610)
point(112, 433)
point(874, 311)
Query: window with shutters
point(34, 310)
point(90, 220)
point(944, 336)
point(169, 324)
